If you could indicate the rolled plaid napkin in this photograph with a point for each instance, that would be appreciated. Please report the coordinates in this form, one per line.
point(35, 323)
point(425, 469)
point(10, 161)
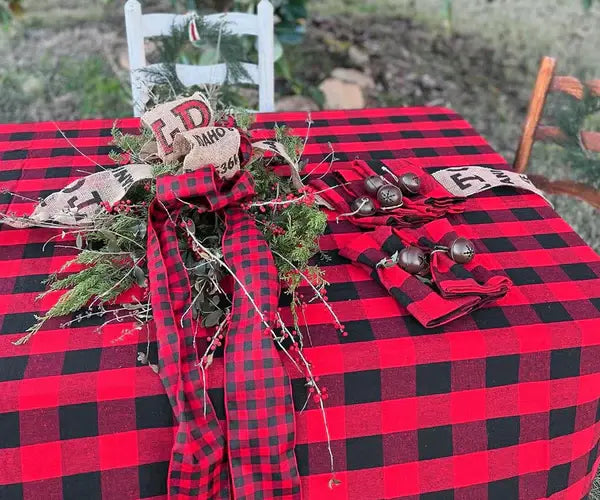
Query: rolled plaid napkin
point(452, 279)
point(372, 249)
point(432, 202)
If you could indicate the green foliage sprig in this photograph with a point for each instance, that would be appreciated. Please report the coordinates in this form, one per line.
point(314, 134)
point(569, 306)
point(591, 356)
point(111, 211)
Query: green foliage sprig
point(217, 45)
point(573, 116)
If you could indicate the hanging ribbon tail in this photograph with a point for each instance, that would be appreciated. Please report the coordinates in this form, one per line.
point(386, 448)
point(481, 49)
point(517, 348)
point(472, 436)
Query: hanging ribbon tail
point(198, 465)
point(257, 458)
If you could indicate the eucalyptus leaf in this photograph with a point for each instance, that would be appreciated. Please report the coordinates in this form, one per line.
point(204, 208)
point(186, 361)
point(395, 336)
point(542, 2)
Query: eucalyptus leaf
point(212, 319)
point(189, 260)
point(195, 310)
point(277, 50)
point(139, 275)
point(141, 229)
point(201, 268)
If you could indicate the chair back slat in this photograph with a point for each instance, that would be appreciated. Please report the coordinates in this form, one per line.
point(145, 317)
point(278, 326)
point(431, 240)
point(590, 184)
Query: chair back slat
point(574, 87)
point(567, 84)
point(237, 23)
point(568, 187)
point(589, 140)
point(547, 133)
point(139, 27)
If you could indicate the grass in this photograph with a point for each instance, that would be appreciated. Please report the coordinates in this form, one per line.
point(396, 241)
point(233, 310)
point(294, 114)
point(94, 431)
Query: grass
point(98, 92)
point(86, 88)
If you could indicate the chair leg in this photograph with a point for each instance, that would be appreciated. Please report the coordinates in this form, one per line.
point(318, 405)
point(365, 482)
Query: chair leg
point(137, 56)
point(534, 113)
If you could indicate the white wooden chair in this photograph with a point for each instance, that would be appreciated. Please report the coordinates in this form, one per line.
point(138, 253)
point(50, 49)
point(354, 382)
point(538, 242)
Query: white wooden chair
point(140, 26)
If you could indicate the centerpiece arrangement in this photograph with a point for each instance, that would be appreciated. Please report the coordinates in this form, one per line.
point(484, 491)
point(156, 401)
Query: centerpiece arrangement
point(193, 233)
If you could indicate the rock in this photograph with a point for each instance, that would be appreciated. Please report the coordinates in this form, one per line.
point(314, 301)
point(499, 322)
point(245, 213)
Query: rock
point(348, 75)
point(428, 82)
point(124, 59)
point(296, 103)
point(32, 86)
point(342, 95)
point(357, 56)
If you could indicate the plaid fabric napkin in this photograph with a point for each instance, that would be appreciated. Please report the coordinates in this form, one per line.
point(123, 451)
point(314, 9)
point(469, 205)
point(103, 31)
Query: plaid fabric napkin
point(452, 279)
point(431, 203)
point(422, 302)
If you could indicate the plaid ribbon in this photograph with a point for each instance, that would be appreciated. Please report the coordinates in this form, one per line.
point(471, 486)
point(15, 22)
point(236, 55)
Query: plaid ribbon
point(257, 457)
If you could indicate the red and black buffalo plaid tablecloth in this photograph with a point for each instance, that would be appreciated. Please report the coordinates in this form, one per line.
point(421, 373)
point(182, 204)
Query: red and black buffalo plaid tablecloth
point(501, 404)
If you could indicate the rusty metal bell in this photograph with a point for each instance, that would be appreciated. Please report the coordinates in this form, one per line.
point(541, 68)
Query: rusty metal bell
point(389, 196)
point(363, 206)
point(462, 250)
point(373, 183)
point(409, 183)
point(412, 260)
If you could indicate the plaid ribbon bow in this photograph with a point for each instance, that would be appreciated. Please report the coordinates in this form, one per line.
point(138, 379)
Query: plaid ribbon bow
point(254, 456)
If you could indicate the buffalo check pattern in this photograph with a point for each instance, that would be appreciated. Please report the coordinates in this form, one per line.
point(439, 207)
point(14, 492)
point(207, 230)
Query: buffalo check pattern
point(499, 404)
point(257, 458)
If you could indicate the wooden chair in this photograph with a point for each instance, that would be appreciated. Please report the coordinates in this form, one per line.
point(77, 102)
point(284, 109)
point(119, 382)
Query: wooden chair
point(532, 130)
point(140, 26)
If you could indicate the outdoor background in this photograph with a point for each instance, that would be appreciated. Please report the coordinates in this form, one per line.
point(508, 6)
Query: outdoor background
point(67, 59)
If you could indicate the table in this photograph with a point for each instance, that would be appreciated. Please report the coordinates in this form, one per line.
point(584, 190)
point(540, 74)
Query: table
point(502, 404)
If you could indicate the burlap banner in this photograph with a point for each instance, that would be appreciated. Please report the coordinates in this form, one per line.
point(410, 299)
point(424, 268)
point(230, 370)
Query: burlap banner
point(76, 204)
point(467, 181)
point(170, 118)
point(182, 130)
point(218, 146)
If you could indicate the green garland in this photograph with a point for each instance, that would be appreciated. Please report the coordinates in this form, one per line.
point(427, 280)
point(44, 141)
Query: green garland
point(113, 250)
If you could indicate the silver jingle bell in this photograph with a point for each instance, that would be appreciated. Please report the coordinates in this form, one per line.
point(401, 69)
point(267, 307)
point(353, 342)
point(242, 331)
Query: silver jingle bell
point(389, 196)
point(363, 206)
point(461, 250)
point(373, 183)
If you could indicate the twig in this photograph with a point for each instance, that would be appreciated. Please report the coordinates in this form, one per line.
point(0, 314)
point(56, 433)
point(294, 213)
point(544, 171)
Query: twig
point(338, 322)
point(295, 200)
point(76, 148)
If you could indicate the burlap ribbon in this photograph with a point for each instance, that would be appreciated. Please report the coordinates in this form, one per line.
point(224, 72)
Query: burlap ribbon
point(183, 129)
point(257, 459)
